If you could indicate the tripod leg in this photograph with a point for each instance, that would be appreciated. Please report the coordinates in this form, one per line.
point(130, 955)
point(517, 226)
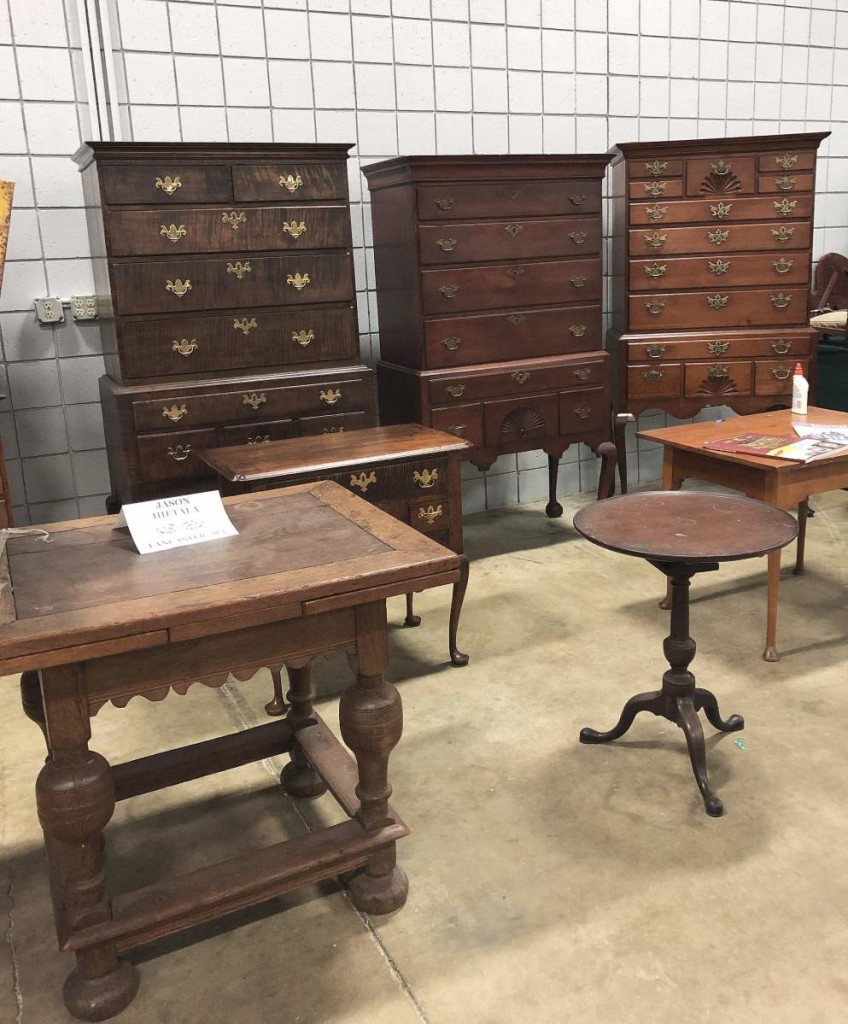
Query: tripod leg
point(691, 726)
point(653, 702)
point(707, 700)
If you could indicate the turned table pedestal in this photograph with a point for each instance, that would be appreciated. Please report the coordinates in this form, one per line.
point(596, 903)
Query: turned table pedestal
point(681, 535)
point(88, 621)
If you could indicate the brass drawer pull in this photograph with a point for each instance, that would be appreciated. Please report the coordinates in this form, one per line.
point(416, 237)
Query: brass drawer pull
point(513, 193)
point(259, 439)
point(234, 218)
point(718, 266)
point(180, 452)
point(449, 290)
point(303, 338)
point(655, 307)
point(786, 162)
point(254, 400)
point(782, 266)
point(655, 188)
point(332, 430)
point(718, 237)
point(653, 374)
point(174, 413)
point(718, 348)
point(578, 237)
point(780, 301)
point(516, 318)
point(184, 346)
point(718, 372)
point(515, 272)
point(244, 324)
point(455, 390)
point(446, 244)
point(656, 269)
point(457, 429)
point(717, 301)
point(722, 168)
point(298, 281)
point(514, 229)
point(578, 330)
point(583, 373)
point(656, 167)
point(782, 234)
point(655, 351)
point(520, 376)
point(577, 199)
point(294, 228)
point(239, 269)
point(781, 372)
point(330, 396)
point(655, 240)
point(168, 184)
point(172, 232)
point(289, 182)
point(582, 412)
point(656, 212)
point(425, 479)
point(785, 206)
point(452, 343)
point(178, 287)
point(430, 514)
point(364, 480)
point(781, 346)
point(444, 204)
point(579, 281)
point(721, 210)
point(786, 183)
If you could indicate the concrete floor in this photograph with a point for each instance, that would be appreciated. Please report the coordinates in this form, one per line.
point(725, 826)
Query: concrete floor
point(548, 881)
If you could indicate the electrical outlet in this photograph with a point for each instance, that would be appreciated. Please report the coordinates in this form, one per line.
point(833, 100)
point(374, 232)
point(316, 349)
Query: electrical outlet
point(49, 310)
point(84, 307)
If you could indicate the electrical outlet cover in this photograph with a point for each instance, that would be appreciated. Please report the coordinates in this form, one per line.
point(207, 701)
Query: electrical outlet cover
point(49, 310)
point(84, 307)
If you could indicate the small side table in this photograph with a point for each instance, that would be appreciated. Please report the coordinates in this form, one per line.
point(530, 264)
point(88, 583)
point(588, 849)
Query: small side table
point(410, 471)
point(682, 534)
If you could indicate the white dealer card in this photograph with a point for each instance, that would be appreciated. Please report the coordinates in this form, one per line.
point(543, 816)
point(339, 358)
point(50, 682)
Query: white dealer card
point(175, 522)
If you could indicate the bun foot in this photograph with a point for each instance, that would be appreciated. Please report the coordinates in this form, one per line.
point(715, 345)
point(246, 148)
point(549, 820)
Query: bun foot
point(553, 510)
point(412, 620)
point(302, 781)
point(380, 894)
point(770, 654)
point(95, 999)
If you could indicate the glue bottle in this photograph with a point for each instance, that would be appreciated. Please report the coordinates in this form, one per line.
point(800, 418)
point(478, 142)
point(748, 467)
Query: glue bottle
point(800, 390)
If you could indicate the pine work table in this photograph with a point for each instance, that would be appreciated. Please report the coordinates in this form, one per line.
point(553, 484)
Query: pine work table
point(88, 620)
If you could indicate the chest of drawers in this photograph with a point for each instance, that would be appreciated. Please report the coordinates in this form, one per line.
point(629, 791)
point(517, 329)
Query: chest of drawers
point(489, 281)
point(712, 263)
point(225, 270)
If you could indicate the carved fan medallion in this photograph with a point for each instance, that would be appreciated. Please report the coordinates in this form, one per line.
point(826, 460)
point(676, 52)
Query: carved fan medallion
point(523, 423)
point(718, 184)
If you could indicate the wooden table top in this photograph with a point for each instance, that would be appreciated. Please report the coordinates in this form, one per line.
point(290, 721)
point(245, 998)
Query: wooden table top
point(691, 436)
point(326, 452)
point(300, 551)
point(686, 526)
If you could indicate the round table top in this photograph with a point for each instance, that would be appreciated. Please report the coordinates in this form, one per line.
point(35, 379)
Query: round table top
point(690, 526)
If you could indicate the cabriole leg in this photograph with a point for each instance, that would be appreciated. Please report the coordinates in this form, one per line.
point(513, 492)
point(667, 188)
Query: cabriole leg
point(456, 656)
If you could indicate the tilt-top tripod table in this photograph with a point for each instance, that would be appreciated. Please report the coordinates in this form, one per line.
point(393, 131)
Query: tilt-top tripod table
point(683, 534)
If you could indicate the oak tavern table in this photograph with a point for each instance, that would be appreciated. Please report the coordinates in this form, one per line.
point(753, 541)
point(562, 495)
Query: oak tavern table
point(410, 471)
point(779, 482)
point(309, 573)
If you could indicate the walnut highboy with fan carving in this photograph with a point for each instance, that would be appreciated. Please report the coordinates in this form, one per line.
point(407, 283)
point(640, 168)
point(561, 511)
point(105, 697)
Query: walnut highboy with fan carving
point(489, 285)
point(712, 263)
point(225, 283)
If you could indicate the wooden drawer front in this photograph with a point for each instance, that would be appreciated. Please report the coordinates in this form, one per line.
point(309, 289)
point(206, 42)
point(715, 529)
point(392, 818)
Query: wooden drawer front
point(774, 376)
point(508, 199)
point(720, 347)
point(787, 162)
point(166, 456)
point(228, 229)
point(655, 168)
point(521, 284)
point(333, 424)
point(693, 310)
point(721, 211)
point(228, 284)
point(163, 347)
point(575, 374)
point(289, 181)
point(656, 189)
point(720, 239)
point(657, 381)
point(259, 433)
point(162, 182)
point(785, 182)
point(464, 421)
point(250, 403)
point(380, 482)
point(430, 515)
point(509, 240)
point(519, 335)
point(720, 271)
point(720, 176)
point(717, 378)
point(517, 420)
point(583, 411)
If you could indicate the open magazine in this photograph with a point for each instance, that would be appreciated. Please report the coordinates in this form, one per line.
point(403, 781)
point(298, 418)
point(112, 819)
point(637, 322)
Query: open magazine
point(828, 431)
point(776, 446)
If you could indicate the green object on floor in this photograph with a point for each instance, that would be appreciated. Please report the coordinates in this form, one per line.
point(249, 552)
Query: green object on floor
point(832, 375)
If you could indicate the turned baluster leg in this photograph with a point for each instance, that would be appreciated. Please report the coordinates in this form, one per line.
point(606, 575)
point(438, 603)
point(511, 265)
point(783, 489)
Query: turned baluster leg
point(276, 706)
point(553, 509)
point(456, 656)
point(299, 778)
point(371, 719)
point(75, 796)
